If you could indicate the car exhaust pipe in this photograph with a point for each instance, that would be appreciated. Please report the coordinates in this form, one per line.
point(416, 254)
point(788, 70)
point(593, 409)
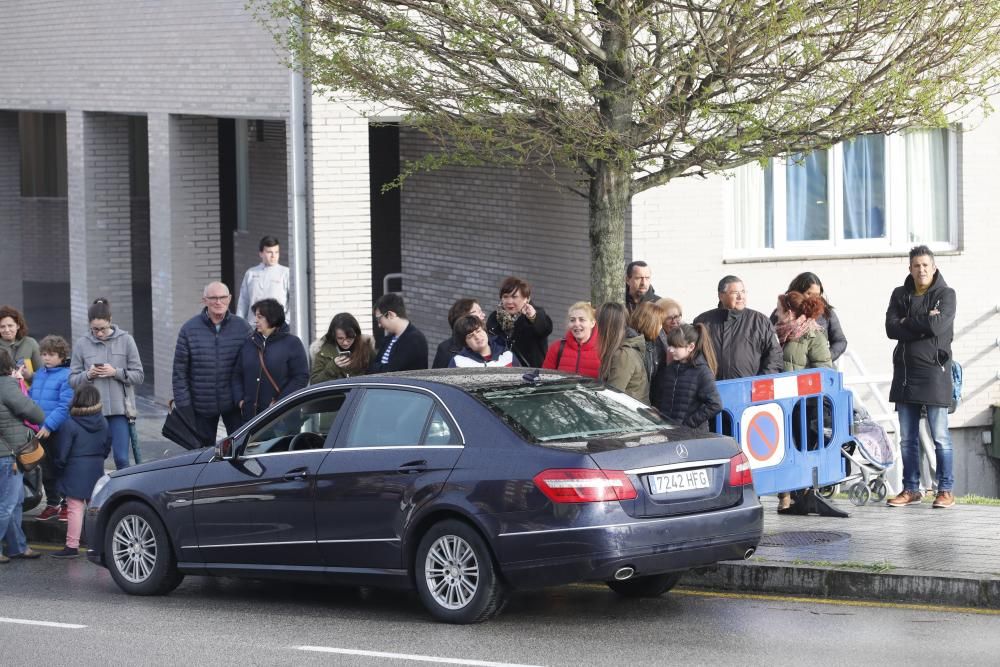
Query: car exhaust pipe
point(624, 573)
point(749, 553)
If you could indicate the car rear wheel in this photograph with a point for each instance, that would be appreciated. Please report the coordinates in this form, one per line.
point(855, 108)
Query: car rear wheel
point(455, 576)
point(138, 553)
point(651, 586)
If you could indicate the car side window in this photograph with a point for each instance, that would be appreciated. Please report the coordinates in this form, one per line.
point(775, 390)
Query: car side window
point(439, 431)
point(390, 417)
point(302, 426)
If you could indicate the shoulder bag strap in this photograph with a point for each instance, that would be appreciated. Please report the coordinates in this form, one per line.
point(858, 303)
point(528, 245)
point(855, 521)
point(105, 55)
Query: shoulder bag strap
point(263, 367)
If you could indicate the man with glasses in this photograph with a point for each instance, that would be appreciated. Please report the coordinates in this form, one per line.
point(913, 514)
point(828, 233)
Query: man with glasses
point(744, 339)
point(207, 348)
point(405, 347)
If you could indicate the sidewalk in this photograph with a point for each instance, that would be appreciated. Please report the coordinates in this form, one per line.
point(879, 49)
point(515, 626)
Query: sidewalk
point(907, 554)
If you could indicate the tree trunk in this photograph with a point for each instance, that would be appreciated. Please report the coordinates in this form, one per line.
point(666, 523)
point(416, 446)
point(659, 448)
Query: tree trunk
point(609, 199)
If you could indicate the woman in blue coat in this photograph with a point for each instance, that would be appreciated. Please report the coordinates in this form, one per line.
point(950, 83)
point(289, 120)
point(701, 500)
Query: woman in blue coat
point(80, 446)
point(271, 364)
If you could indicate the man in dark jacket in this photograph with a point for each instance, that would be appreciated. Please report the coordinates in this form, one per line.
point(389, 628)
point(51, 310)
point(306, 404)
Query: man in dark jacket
point(744, 339)
point(921, 318)
point(207, 348)
point(638, 285)
point(406, 347)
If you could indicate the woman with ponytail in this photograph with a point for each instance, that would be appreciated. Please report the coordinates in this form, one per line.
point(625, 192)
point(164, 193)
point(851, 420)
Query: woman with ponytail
point(108, 359)
point(684, 389)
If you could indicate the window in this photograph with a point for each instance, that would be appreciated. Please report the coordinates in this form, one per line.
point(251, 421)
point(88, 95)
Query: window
point(398, 418)
point(571, 411)
point(43, 154)
point(303, 426)
point(869, 194)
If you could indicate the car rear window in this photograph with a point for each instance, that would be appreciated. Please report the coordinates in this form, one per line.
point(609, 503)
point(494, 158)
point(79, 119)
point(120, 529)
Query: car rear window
point(571, 411)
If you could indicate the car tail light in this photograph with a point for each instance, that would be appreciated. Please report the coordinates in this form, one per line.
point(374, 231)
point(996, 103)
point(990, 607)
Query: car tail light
point(739, 471)
point(573, 485)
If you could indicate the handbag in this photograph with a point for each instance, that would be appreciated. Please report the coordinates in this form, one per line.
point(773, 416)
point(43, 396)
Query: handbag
point(30, 454)
point(180, 427)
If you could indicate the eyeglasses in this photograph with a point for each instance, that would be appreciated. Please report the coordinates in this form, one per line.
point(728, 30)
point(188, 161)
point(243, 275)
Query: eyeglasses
point(673, 318)
point(741, 292)
point(381, 316)
point(99, 330)
point(218, 299)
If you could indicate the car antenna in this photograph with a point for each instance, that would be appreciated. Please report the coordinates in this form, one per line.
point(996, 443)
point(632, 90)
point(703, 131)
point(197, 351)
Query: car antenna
point(532, 377)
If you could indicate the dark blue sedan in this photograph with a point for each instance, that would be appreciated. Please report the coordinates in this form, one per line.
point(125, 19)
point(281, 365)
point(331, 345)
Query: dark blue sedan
point(462, 485)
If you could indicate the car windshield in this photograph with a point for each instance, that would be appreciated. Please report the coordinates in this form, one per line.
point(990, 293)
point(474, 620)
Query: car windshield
point(571, 411)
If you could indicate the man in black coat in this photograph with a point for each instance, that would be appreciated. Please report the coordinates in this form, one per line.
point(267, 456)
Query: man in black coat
point(405, 349)
point(921, 318)
point(638, 285)
point(744, 340)
point(207, 348)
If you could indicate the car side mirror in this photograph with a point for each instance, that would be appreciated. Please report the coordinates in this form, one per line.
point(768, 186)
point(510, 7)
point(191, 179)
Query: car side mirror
point(225, 450)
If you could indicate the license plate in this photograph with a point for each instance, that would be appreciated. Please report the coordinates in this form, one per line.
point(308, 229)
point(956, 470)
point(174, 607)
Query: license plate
point(684, 480)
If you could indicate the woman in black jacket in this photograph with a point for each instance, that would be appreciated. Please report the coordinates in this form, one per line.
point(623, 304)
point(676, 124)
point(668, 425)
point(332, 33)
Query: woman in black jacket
point(522, 327)
point(272, 362)
point(809, 284)
point(684, 390)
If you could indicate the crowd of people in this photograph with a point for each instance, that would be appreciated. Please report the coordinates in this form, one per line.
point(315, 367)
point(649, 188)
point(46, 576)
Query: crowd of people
point(80, 401)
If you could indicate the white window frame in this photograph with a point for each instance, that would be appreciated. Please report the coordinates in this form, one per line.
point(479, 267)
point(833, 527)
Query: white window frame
point(743, 194)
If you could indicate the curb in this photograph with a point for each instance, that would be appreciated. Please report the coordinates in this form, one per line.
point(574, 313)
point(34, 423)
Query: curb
point(46, 532)
point(907, 586)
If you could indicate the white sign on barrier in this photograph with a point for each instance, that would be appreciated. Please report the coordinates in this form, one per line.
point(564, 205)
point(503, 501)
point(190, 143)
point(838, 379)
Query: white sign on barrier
point(763, 435)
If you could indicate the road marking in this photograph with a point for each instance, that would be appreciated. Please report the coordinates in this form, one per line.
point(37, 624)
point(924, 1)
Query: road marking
point(841, 603)
point(48, 624)
point(408, 656)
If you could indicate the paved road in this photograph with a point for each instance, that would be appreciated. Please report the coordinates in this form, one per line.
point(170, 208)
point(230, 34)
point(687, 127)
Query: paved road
point(226, 621)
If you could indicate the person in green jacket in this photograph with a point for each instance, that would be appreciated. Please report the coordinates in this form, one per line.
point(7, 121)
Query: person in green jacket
point(621, 351)
point(803, 342)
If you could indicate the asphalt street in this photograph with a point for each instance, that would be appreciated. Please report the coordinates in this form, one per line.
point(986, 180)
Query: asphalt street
point(71, 613)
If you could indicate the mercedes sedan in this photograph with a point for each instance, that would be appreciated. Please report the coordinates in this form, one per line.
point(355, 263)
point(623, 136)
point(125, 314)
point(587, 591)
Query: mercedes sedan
point(463, 485)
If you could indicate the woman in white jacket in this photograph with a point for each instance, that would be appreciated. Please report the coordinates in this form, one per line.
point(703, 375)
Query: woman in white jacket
point(108, 358)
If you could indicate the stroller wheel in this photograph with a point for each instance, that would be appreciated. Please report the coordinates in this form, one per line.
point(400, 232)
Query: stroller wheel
point(828, 491)
point(859, 494)
point(878, 489)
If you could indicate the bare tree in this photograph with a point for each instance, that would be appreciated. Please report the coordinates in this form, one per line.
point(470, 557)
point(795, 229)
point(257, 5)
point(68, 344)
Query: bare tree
point(635, 93)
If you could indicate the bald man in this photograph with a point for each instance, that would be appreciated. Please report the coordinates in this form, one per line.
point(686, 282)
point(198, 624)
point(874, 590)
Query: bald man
point(207, 348)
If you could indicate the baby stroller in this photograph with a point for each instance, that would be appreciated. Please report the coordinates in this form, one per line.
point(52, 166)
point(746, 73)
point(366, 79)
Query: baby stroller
point(867, 458)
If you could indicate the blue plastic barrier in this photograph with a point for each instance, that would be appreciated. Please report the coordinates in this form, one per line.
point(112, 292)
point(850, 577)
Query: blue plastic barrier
point(791, 427)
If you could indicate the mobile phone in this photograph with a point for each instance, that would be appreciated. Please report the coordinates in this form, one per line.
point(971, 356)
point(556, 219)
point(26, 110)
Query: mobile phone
point(344, 353)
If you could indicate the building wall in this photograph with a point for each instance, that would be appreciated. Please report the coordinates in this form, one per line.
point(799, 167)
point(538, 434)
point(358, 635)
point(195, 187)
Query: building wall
point(185, 56)
point(465, 229)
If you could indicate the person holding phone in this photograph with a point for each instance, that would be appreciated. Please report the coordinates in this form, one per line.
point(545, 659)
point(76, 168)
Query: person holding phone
point(22, 348)
point(343, 352)
point(521, 326)
point(108, 358)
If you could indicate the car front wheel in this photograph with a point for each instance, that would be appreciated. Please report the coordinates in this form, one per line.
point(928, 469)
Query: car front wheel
point(651, 586)
point(138, 553)
point(455, 576)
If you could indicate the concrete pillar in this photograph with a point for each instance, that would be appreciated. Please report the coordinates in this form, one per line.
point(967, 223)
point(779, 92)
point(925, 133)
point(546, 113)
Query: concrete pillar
point(184, 227)
point(99, 210)
point(10, 209)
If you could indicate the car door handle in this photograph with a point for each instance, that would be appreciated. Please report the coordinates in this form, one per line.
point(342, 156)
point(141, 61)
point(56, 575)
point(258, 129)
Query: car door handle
point(296, 475)
point(413, 466)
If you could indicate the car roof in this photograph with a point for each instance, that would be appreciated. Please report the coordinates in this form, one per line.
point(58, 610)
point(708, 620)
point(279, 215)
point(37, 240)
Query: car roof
point(473, 379)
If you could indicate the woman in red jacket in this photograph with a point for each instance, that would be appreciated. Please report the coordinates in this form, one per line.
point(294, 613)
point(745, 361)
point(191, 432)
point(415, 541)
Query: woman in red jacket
point(577, 351)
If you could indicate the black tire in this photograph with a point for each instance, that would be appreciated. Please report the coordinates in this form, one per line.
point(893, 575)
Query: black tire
point(471, 594)
point(651, 586)
point(144, 563)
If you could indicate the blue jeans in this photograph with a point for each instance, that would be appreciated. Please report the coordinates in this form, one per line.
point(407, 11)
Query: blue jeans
point(11, 497)
point(909, 442)
point(121, 442)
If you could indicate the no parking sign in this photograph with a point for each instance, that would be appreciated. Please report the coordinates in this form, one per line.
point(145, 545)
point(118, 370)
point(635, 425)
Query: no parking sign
point(763, 439)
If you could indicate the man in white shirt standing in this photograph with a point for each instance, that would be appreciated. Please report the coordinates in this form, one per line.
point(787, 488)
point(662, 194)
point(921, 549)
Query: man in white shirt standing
point(267, 280)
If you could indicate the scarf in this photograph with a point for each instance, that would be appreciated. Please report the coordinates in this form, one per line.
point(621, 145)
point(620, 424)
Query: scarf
point(795, 329)
point(506, 321)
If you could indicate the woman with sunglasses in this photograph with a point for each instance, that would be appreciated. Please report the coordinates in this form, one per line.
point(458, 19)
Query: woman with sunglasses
point(108, 358)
